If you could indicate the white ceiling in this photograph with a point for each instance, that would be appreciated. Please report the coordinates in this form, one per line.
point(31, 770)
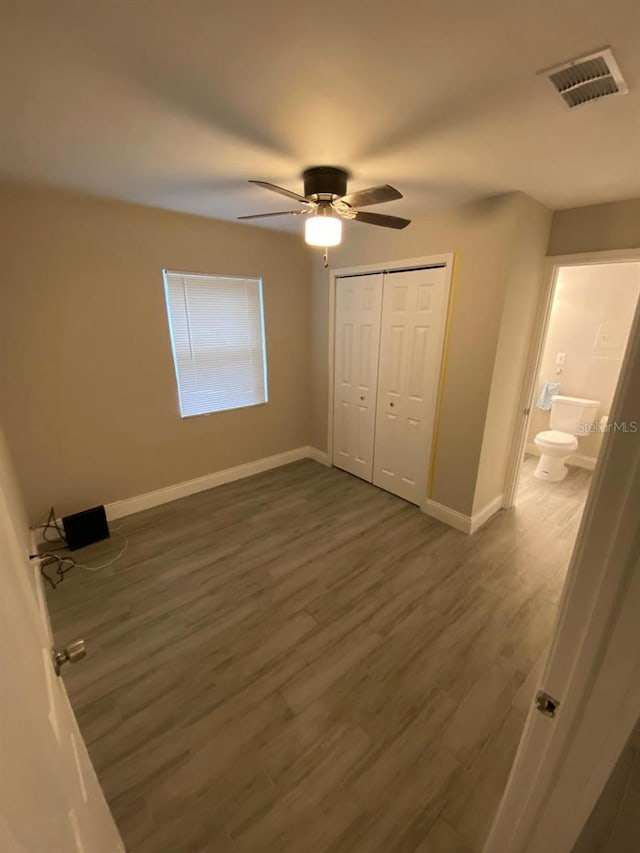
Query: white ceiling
point(177, 104)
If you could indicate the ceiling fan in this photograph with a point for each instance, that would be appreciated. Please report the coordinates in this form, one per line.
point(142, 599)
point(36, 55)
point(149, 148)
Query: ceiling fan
point(327, 203)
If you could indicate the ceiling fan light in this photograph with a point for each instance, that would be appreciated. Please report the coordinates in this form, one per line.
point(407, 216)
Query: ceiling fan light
point(323, 231)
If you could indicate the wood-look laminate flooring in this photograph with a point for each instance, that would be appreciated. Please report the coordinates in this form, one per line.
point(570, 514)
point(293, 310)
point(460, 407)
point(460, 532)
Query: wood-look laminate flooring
point(302, 662)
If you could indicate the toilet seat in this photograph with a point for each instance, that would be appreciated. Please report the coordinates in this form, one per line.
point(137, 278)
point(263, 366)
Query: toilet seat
point(555, 448)
point(556, 438)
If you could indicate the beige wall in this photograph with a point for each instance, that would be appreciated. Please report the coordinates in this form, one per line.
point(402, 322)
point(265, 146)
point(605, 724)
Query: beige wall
point(596, 228)
point(482, 235)
point(531, 226)
point(14, 512)
point(86, 376)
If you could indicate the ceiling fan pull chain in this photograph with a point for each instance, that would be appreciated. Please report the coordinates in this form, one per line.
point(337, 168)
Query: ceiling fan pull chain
point(325, 259)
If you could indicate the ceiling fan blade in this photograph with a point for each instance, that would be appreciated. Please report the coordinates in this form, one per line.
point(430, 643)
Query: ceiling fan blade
point(381, 219)
point(281, 191)
point(374, 195)
point(279, 213)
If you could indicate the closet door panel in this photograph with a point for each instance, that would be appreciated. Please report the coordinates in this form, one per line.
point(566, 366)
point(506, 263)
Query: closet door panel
point(413, 314)
point(356, 352)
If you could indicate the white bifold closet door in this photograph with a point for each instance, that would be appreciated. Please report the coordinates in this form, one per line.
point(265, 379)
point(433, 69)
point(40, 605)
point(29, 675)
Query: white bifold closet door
point(388, 350)
point(357, 344)
point(413, 314)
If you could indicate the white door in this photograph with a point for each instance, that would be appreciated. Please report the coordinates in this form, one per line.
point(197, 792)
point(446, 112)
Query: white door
point(49, 794)
point(357, 342)
point(412, 332)
point(593, 671)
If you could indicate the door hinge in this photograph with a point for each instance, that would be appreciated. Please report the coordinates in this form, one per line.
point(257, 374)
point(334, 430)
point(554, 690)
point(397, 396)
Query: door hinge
point(546, 704)
point(526, 411)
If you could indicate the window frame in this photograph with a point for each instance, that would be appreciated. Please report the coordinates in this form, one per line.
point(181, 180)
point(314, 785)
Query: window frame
point(258, 279)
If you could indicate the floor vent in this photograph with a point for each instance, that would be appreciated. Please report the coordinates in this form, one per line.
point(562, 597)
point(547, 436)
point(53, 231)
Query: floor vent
point(587, 78)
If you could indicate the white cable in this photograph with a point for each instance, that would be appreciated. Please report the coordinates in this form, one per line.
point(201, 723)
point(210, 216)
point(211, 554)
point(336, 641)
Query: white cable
point(105, 565)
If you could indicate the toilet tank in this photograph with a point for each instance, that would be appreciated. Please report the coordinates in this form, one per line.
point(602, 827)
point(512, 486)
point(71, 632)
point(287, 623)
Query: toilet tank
point(570, 414)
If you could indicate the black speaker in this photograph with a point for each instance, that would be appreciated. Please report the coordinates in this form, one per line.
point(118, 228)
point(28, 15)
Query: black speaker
point(86, 527)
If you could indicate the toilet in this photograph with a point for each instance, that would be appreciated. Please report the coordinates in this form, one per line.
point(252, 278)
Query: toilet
point(569, 416)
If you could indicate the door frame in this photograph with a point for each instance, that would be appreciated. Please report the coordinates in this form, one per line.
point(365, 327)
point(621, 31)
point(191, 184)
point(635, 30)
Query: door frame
point(445, 259)
point(553, 264)
point(593, 668)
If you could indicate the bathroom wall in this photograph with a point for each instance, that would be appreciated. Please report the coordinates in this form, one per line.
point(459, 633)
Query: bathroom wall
point(592, 312)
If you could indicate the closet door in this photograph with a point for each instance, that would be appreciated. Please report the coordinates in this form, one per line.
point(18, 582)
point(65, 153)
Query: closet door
point(357, 344)
point(412, 332)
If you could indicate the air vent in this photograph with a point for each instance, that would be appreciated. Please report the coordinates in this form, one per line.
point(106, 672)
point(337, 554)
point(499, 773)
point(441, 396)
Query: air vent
point(587, 78)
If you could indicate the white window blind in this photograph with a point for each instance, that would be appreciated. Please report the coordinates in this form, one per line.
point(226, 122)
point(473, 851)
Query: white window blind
point(217, 334)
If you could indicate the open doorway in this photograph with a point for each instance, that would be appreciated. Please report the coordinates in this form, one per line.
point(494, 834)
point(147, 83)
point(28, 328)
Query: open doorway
point(576, 368)
point(577, 356)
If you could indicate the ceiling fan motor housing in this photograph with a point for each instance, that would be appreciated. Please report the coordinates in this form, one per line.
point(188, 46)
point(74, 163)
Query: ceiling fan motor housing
point(325, 182)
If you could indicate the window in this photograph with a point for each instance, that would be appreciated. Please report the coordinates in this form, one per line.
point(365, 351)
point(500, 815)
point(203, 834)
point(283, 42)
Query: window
point(217, 335)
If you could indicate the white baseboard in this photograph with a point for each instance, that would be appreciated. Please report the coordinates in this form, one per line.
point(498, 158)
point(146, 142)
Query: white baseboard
point(137, 503)
point(449, 516)
point(128, 506)
point(464, 523)
point(319, 456)
point(482, 516)
point(577, 460)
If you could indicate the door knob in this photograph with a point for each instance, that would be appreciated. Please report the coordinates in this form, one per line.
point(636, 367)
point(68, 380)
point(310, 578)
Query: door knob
point(71, 654)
